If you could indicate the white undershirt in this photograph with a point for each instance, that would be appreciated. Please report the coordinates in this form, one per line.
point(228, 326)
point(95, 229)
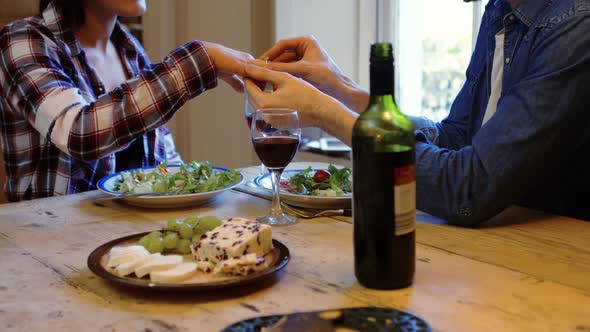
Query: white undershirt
point(496, 83)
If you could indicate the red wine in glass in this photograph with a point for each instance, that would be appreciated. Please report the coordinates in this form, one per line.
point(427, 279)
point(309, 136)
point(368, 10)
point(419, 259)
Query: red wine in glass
point(276, 152)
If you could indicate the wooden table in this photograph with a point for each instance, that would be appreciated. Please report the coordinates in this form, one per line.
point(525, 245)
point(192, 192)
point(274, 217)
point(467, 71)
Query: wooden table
point(522, 271)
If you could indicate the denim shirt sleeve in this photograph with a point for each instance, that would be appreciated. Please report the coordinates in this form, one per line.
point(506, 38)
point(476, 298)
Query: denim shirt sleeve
point(539, 122)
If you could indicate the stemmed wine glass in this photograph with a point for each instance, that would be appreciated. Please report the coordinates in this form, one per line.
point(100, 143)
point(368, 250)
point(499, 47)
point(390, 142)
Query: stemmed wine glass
point(249, 113)
point(275, 135)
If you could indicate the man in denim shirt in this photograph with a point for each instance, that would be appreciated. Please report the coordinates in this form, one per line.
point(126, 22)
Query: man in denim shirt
point(533, 147)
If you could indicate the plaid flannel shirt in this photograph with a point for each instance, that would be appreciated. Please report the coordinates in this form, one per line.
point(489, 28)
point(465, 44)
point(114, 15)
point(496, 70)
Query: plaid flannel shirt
point(61, 131)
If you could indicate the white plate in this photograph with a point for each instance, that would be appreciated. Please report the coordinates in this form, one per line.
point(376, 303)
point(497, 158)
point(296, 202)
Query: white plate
point(305, 201)
point(107, 185)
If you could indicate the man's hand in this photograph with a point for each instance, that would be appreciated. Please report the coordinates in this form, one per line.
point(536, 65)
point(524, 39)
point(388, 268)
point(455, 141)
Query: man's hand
point(229, 63)
point(315, 108)
point(305, 58)
point(289, 92)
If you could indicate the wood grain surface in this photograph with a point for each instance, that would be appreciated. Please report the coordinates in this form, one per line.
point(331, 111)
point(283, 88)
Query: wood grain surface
point(523, 271)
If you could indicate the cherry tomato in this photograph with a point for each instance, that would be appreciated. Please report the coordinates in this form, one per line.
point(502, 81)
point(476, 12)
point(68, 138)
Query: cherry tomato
point(162, 169)
point(284, 184)
point(321, 176)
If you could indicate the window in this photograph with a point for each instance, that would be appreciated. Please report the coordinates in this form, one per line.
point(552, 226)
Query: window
point(433, 42)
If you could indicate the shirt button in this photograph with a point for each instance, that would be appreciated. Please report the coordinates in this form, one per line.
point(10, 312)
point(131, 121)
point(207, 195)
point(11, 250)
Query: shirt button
point(466, 212)
point(511, 18)
point(507, 61)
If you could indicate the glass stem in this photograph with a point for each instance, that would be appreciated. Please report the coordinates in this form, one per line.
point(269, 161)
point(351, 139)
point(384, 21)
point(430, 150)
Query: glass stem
point(275, 209)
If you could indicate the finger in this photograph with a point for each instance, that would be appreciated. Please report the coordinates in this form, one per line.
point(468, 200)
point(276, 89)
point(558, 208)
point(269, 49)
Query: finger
point(296, 45)
point(294, 68)
point(235, 82)
point(288, 56)
point(263, 74)
point(253, 91)
point(298, 68)
point(259, 63)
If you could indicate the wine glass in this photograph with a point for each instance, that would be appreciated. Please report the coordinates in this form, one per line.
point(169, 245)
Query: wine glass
point(249, 113)
point(275, 135)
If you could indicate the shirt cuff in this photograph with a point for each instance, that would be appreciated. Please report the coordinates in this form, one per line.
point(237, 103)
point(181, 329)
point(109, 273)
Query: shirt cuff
point(425, 130)
point(427, 135)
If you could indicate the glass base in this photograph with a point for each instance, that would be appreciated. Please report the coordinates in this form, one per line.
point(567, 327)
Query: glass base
point(280, 220)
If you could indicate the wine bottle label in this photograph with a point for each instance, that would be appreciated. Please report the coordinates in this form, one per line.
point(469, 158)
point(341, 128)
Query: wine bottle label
point(404, 179)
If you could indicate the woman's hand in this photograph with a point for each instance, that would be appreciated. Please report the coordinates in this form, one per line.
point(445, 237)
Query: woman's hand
point(305, 58)
point(229, 64)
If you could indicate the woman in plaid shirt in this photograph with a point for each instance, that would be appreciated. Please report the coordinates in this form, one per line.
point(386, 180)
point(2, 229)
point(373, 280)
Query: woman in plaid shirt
point(81, 100)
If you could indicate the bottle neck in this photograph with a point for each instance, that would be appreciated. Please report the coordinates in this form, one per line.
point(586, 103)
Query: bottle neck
point(382, 78)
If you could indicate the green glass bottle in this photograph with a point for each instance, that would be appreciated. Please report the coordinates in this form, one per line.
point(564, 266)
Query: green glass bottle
point(384, 183)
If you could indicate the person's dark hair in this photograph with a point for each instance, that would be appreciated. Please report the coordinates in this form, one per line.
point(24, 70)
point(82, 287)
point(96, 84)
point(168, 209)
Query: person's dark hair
point(72, 10)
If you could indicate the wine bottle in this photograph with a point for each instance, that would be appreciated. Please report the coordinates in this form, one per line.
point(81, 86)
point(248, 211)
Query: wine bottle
point(384, 183)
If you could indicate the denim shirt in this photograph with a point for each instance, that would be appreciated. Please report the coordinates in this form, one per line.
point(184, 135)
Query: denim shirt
point(535, 150)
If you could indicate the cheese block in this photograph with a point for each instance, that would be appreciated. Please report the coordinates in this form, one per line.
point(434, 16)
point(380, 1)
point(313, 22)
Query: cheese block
point(157, 262)
point(235, 237)
point(178, 273)
point(205, 266)
point(243, 265)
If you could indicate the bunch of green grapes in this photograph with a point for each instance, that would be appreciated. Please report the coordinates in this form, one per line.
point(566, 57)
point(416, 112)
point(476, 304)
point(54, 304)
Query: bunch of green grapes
point(178, 235)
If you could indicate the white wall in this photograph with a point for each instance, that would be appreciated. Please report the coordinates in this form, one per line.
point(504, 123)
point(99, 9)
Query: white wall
point(335, 23)
point(212, 126)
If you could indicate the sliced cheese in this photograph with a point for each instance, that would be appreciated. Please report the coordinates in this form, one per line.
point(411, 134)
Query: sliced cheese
point(157, 262)
point(128, 267)
point(121, 255)
point(178, 273)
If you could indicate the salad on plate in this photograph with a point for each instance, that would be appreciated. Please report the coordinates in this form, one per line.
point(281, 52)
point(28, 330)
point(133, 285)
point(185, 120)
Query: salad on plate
point(194, 177)
point(331, 182)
